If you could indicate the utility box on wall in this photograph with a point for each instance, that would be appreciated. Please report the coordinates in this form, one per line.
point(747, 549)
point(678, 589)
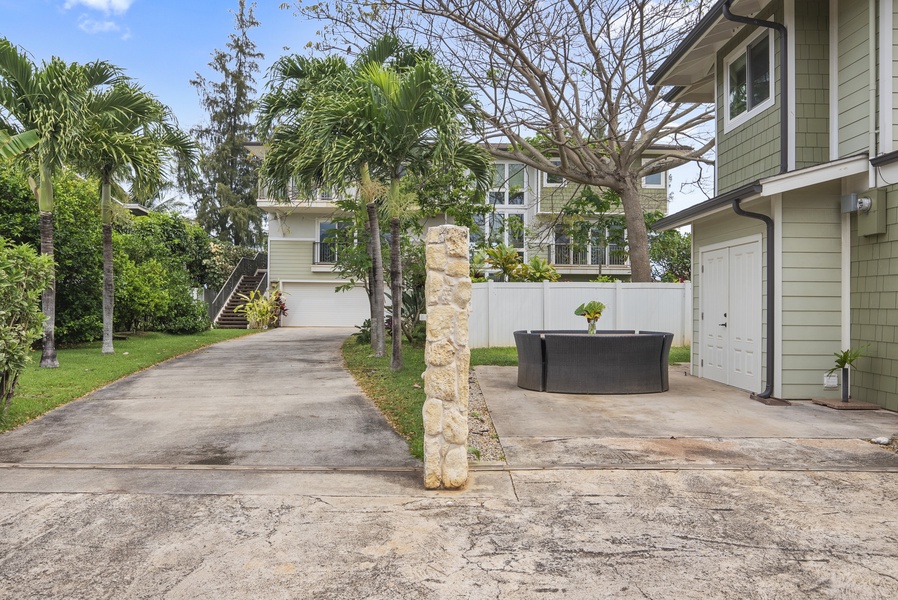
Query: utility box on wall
point(873, 221)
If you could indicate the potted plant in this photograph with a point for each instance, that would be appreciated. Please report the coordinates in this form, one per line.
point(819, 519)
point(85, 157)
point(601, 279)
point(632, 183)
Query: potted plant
point(592, 310)
point(845, 361)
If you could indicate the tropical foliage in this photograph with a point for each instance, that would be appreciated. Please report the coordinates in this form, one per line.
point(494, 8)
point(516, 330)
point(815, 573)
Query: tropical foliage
point(24, 276)
point(592, 310)
point(396, 111)
point(51, 100)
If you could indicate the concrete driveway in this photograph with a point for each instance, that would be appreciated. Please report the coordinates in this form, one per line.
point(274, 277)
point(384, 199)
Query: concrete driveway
point(280, 398)
point(273, 477)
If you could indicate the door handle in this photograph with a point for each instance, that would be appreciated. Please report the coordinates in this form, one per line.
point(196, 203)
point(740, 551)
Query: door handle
point(723, 324)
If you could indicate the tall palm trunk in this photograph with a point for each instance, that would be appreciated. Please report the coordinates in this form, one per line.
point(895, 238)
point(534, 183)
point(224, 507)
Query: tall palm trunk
point(48, 297)
point(377, 261)
point(396, 289)
point(108, 283)
point(378, 335)
point(393, 202)
point(369, 250)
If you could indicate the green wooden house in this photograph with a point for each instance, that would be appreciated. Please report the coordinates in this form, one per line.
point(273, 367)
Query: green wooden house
point(796, 255)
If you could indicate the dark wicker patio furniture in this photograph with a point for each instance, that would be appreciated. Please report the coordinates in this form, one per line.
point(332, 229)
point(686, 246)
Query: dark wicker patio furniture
point(609, 362)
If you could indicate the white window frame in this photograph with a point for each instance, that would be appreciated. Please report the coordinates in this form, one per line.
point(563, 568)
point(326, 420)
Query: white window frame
point(652, 186)
point(504, 189)
point(730, 123)
point(550, 184)
point(316, 258)
point(504, 212)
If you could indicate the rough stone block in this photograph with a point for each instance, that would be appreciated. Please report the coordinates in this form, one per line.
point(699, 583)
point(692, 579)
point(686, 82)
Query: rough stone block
point(439, 353)
point(455, 425)
point(440, 322)
point(433, 417)
point(458, 267)
point(435, 235)
point(436, 258)
point(455, 468)
point(434, 288)
point(461, 293)
point(456, 240)
point(439, 382)
point(433, 467)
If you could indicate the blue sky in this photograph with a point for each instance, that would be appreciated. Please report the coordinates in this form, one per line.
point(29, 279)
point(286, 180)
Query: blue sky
point(160, 43)
point(163, 43)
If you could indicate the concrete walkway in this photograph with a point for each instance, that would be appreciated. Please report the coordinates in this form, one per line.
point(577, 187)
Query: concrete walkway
point(271, 476)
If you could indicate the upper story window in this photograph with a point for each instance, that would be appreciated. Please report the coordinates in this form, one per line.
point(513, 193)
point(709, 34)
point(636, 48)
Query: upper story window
point(554, 180)
point(509, 183)
point(749, 81)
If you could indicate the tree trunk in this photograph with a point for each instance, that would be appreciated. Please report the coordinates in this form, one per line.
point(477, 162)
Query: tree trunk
point(370, 287)
point(396, 289)
point(637, 238)
point(377, 261)
point(48, 297)
point(108, 283)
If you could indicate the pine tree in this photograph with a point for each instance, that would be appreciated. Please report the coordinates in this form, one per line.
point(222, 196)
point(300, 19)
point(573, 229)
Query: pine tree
point(224, 192)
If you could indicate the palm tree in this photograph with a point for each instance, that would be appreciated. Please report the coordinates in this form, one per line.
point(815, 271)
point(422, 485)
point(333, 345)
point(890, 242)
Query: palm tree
point(12, 146)
point(394, 111)
point(310, 107)
point(419, 115)
point(132, 137)
point(48, 99)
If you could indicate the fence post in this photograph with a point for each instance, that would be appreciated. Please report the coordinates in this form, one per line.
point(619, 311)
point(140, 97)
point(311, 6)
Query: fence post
point(546, 308)
point(618, 304)
point(491, 307)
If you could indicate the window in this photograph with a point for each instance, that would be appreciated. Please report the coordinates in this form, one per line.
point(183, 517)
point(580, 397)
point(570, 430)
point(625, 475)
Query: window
point(509, 184)
point(748, 80)
point(554, 180)
point(325, 251)
point(658, 181)
point(501, 227)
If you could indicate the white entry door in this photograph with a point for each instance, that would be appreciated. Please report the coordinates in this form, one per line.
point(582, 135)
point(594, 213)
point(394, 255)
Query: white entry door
point(731, 314)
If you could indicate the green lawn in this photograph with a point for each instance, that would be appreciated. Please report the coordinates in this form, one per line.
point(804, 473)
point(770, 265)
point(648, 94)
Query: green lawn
point(82, 369)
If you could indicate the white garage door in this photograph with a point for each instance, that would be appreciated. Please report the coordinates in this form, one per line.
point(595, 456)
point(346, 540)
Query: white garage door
point(318, 305)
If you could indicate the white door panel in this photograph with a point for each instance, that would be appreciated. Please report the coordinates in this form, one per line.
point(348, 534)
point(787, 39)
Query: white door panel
point(731, 315)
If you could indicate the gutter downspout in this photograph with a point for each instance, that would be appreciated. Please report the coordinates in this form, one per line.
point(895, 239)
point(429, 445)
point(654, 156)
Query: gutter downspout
point(784, 167)
point(784, 78)
point(737, 208)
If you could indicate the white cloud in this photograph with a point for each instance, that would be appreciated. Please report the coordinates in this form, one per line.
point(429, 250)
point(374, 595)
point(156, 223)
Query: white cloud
point(118, 7)
point(88, 25)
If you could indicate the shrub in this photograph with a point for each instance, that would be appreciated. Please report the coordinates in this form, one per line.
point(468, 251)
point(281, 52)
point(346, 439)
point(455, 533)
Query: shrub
point(23, 276)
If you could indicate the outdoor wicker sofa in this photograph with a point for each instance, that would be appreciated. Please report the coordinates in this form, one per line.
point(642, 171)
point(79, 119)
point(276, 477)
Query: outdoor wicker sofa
point(609, 362)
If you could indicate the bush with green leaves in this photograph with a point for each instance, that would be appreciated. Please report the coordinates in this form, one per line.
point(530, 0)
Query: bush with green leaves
point(159, 259)
point(23, 276)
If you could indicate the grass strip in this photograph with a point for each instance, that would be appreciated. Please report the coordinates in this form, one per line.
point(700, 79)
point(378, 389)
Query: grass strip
point(83, 369)
point(398, 394)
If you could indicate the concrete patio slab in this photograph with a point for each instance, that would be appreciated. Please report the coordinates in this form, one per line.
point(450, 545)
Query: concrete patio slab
point(696, 422)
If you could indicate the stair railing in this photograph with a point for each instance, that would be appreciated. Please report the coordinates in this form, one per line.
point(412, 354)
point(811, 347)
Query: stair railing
point(246, 266)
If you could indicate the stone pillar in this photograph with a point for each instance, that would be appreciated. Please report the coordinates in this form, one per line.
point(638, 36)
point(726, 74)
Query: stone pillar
point(447, 356)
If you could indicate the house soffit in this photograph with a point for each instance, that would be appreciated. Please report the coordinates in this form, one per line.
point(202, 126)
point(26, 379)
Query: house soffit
point(691, 65)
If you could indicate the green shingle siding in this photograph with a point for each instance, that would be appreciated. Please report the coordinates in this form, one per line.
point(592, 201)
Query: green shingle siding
point(751, 150)
point(854, 78)
point(811, 83)
point(874, 308)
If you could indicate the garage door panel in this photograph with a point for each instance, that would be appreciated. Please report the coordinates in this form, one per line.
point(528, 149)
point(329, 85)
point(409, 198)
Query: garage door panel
point(318, 305)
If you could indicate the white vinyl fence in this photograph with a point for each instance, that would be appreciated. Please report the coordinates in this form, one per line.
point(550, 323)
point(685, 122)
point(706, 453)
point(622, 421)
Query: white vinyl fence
point(500, 309)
